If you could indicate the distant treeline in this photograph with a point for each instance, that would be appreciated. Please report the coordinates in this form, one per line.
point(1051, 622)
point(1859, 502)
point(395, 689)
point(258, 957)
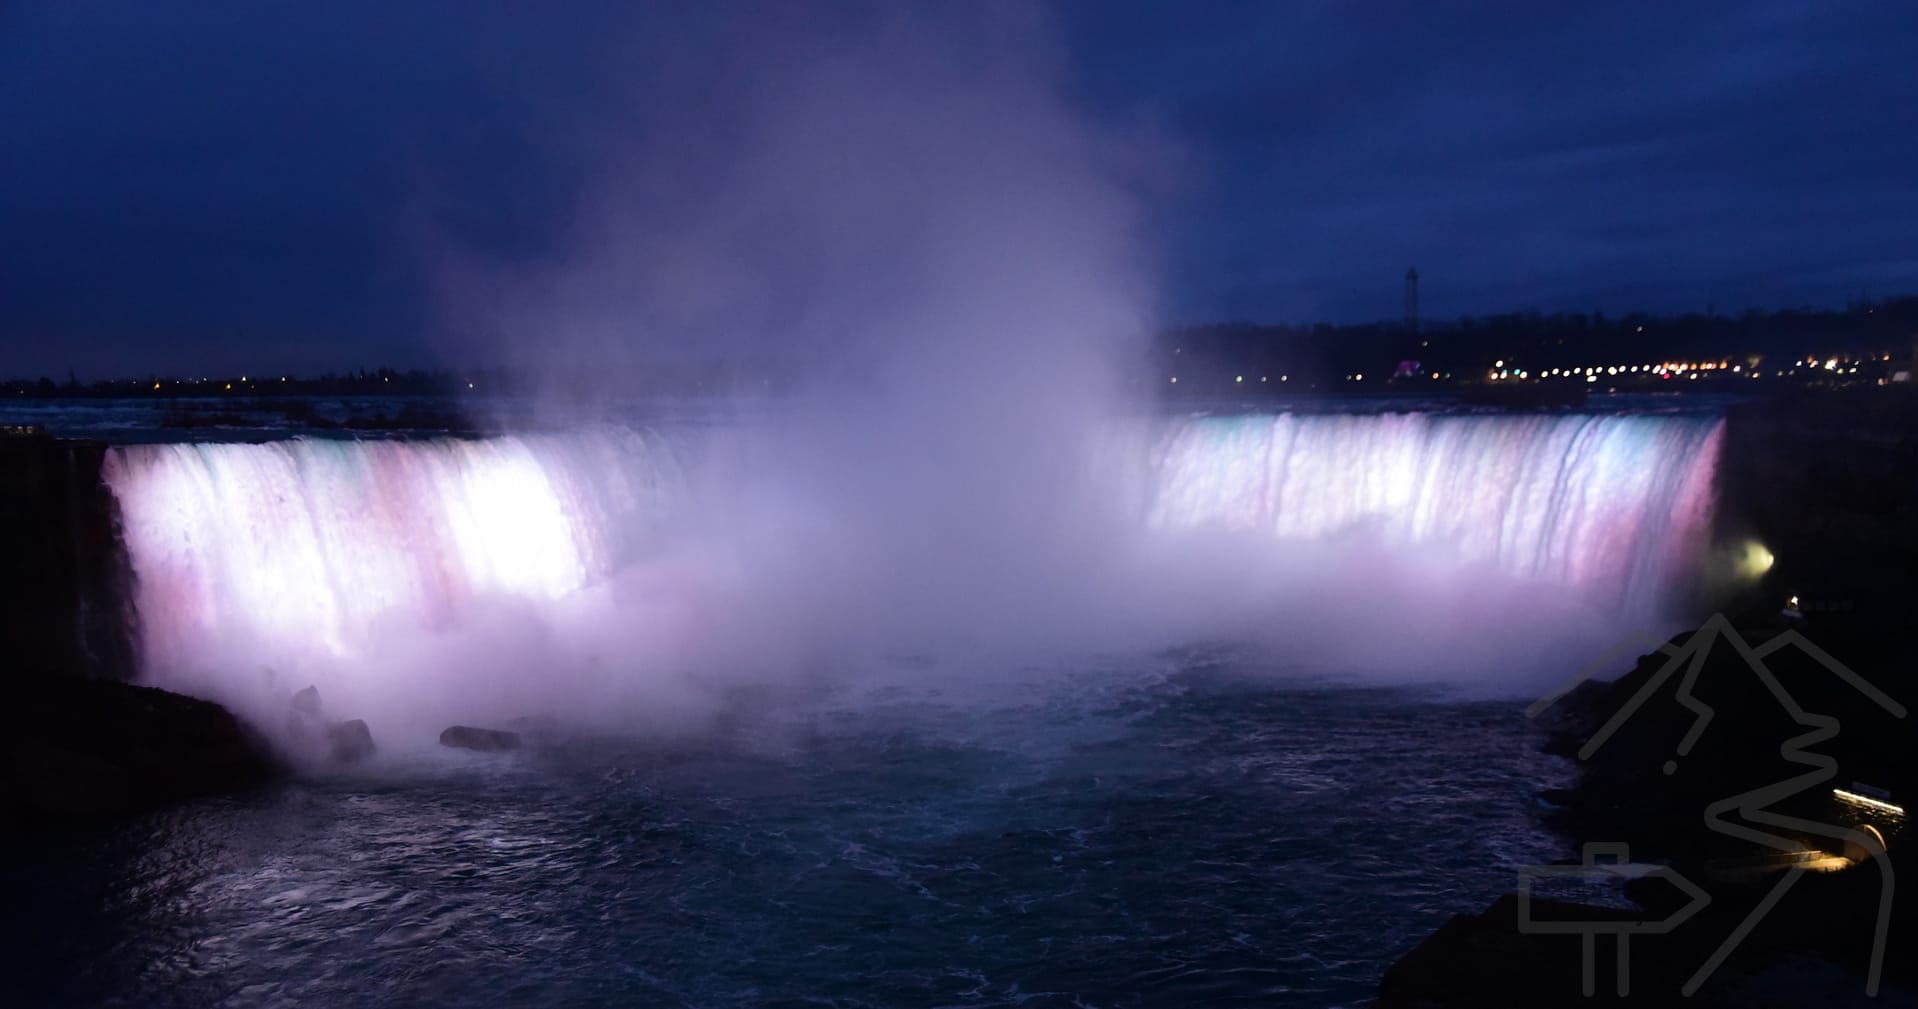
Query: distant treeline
point(677, 379)
point(1468, 349)
point(1878, 337)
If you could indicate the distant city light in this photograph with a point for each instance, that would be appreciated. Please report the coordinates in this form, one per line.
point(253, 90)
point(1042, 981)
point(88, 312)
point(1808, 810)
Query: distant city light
point(1175, 381)
point(1238, 378)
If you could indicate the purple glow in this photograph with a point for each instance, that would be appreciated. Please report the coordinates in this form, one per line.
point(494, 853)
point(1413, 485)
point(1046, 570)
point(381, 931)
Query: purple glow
point(588, 571)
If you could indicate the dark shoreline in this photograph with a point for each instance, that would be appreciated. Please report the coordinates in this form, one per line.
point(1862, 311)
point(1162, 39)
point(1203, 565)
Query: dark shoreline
point(1638, 794)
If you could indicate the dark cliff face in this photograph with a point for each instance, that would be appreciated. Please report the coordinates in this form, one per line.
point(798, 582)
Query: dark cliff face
point(74, 749)
point(65, 581)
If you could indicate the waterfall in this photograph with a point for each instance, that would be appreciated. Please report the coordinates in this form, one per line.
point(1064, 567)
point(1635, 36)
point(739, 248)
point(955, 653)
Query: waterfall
point(307, 546)
point(1614, 505)
point(316, 541)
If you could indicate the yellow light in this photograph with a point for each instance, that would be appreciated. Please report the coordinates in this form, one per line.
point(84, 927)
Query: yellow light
point(1753, 560)
point(1867, 801)
point(156, 385)
point(1238, 378)
point(229, 387)
point(1360, 377)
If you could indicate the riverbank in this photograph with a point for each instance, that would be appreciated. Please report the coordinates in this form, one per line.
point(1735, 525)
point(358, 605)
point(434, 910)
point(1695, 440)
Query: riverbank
point(1738, 815)
point(74, 749)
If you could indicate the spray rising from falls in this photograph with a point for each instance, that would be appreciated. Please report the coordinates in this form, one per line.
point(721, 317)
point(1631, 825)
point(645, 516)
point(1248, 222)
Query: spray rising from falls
point(332, 561)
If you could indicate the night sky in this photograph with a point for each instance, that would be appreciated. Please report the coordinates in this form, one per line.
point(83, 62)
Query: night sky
point(276, 185)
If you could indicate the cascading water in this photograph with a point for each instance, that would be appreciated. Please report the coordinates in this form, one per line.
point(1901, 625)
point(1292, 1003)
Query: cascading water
point(323, 559)
point(1614, 506)
point(313, 543)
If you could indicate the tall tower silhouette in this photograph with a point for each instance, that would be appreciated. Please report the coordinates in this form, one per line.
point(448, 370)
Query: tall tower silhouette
point(1412, 301)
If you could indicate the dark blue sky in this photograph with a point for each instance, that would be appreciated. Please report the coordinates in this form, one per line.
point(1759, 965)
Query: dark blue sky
point(268, 185)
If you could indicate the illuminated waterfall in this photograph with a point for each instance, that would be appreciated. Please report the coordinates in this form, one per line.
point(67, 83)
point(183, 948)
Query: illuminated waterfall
point(1613, 505)
point(314, 542)
point(318, 547)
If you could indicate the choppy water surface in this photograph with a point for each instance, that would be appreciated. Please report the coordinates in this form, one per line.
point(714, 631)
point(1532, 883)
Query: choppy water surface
point(1207, 836)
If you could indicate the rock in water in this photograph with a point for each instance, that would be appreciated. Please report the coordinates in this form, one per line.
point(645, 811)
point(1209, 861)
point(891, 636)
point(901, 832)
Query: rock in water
point(467, 737)
point(307, 702)
point(350, 741)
